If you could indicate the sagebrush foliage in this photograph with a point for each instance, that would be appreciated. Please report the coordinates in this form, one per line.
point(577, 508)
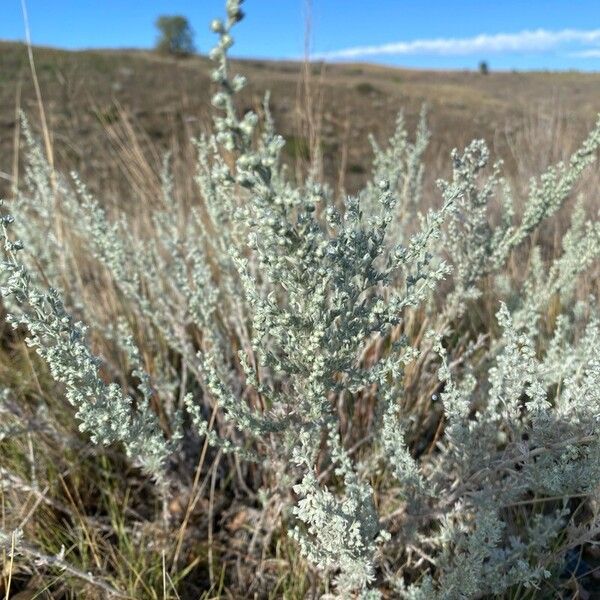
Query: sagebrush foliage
point(272, 311)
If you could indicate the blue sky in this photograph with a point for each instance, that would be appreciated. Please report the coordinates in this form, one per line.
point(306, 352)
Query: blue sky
point(519, 34)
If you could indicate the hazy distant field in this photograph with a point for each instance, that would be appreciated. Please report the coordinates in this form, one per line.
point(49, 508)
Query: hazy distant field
point(168, 100)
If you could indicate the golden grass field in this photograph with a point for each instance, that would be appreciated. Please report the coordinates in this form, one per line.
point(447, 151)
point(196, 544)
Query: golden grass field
point(334, 107)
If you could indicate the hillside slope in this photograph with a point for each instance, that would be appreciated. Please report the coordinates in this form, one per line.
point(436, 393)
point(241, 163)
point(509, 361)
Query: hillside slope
point(85, 92)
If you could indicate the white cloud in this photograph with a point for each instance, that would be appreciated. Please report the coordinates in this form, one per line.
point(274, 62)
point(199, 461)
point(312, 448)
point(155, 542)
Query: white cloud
point(524, 41)
point(591, 53)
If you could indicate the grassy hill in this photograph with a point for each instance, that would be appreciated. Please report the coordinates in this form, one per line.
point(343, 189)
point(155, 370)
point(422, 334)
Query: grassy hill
point(330, 107)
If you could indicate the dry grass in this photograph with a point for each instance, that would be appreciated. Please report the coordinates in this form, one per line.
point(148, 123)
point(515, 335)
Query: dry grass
point(326, 109)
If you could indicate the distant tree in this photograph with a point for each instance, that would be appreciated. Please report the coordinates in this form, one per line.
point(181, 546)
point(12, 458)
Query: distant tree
point(484, 68)
point(176, 35)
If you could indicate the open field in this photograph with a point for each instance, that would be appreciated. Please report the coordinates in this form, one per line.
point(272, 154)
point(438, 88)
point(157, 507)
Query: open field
point(168, 100)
